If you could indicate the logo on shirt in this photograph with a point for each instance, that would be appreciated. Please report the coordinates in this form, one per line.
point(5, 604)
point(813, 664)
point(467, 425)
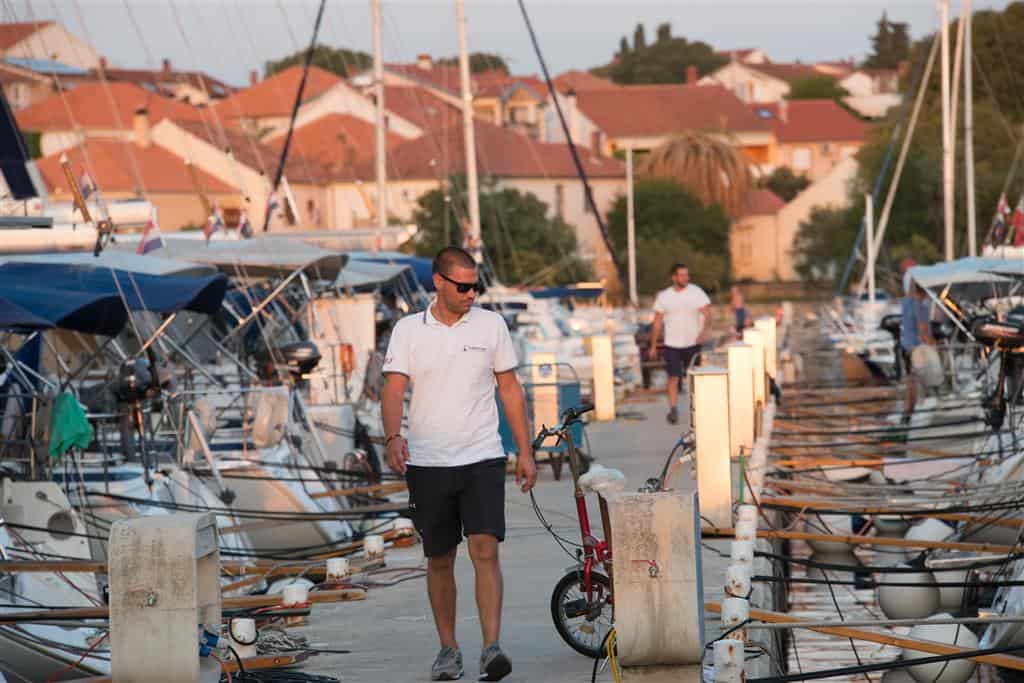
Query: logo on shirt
point(387, 360)
point(470, 347)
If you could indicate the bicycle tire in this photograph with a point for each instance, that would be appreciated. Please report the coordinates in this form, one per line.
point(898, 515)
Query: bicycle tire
point(571, 581)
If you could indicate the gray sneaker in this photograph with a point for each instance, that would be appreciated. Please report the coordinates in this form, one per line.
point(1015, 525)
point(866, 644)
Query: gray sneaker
point(494, 665)
point(447, 665)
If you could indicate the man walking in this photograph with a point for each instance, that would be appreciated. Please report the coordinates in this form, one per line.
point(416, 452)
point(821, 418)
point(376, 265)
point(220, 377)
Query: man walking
point(454, 354)
point(683, 311)
point(915, 330)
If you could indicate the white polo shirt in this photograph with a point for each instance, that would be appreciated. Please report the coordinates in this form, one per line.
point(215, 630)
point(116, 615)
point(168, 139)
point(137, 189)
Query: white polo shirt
point(453, 415)
point(683, 319)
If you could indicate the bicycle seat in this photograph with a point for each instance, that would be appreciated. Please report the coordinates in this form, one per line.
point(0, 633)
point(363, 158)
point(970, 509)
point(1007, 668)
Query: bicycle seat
point(1004, 333)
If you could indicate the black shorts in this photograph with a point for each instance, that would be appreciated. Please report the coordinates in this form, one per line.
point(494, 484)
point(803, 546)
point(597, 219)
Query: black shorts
point(448, 503)
point(677, 361)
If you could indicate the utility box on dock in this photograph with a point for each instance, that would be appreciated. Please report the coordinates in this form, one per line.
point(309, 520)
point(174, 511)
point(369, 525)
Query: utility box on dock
point(710, 420)
point(659, 596)
point(164, 587)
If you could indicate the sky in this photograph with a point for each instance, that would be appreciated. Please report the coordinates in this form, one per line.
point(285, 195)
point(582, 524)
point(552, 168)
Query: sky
point(228, 38)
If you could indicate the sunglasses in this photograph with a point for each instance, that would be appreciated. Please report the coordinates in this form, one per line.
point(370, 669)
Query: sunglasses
point(463, 287)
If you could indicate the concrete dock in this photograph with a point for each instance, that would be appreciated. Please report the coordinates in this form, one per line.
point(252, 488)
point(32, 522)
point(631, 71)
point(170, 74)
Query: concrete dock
point(391, 634)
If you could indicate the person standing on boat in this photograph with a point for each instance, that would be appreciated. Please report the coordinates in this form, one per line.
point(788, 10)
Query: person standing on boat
point(454, 354)
point(683, 310)
point(915, 330)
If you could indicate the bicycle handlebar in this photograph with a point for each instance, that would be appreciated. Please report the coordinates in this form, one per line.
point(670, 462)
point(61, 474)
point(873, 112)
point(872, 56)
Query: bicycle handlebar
point(570, 416)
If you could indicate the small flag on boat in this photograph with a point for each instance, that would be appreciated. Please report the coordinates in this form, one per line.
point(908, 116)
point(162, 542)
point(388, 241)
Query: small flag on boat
point(245, 227)
point(151, 238)
point(273, 204)
point(86, 185)
point(999, 222)
point(215, 223)
point(1018, 223)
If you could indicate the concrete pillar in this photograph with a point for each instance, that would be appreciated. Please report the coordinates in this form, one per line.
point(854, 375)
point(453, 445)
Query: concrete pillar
point(757, 339)
point(604, 376)
point(771, 350)
point(659, 596)
point(164, 587)
point(544, 377)
point(741, 398)
point(711, 430)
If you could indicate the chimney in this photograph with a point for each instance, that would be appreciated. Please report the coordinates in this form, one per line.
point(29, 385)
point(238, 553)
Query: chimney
point(254, 77)
point(783, 110)
point(423, 61)
point(595, 143)
point(691, 74)
point(141, 125)
point(167, 66)
point(102, 66)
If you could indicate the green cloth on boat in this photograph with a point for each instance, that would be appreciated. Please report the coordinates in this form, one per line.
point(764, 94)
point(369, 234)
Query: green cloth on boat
point(69, 427)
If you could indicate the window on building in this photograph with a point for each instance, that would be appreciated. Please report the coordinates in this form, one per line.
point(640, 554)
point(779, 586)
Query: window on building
point(560, 201)
point(801, 158)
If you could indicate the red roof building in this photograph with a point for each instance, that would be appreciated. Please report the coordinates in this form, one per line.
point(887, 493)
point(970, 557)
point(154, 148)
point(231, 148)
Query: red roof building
point(580, 80)
point(274, 96)
point(101, 107)
point(335, 142)
point(813, 135)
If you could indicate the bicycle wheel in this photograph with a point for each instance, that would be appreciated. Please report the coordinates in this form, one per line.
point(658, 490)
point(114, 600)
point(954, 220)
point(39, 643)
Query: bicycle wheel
point(582, 624)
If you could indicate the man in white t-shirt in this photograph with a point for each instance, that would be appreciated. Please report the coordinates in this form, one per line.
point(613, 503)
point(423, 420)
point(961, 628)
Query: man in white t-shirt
point(454, 354)
point(683, 311)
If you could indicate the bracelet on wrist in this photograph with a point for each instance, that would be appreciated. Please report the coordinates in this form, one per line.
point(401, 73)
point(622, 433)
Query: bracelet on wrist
point(387, 441)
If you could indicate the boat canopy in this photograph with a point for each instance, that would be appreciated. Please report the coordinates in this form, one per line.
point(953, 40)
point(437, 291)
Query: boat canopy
point(136, 291)
point(148, 264)
point(80, 311)
point(257, 258)
point(362, 275)
point(14, 317)
point(567, 292)
point(421, 266)
point(974, 277)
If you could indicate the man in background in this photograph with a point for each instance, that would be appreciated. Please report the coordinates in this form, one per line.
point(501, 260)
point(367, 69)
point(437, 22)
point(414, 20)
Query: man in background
point(683, 311)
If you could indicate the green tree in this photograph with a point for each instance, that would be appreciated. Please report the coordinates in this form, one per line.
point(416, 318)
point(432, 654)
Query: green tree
point(479, 61)
point(520, 240)
point(672, 226)
point(664, 32)
point(890, 44)
point(783, 182)
point(664, 61)
point(623, 47)
point(639, 39)
point(816, 88)
point(340, 61)
point(823, 241)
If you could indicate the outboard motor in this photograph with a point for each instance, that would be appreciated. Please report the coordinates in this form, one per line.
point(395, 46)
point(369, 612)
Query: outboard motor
point(1006, 336)
point(297, 359)
point(893, 323)
point(137, 380)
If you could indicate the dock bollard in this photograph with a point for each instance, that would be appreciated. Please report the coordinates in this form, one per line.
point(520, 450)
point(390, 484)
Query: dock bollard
point(742, 553)
point(338, 569)
point(746, 530)
point(746, 513)
point(737, 580)
point(736, 611)
point(373, 547)
point(729, 654)
point(243, 635)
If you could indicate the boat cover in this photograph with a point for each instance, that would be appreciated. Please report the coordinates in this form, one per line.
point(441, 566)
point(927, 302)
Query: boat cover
point(138, 291)
point(14, 317)
point(421, 266)
point(975, 277)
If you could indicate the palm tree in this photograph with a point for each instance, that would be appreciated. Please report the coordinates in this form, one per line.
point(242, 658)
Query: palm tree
point(707, 165)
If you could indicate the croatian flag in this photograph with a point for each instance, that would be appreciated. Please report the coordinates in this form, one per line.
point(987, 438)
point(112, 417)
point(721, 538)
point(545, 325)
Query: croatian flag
point(151, 238)
point(273, 203)
point(245, 227)
point(215, 223)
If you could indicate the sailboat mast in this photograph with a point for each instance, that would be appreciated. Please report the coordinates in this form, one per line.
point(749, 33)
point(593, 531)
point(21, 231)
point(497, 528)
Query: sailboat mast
point(630, 227)
point(472, 239)
point(947, 137)
point(380, 153)
point(972, 228)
